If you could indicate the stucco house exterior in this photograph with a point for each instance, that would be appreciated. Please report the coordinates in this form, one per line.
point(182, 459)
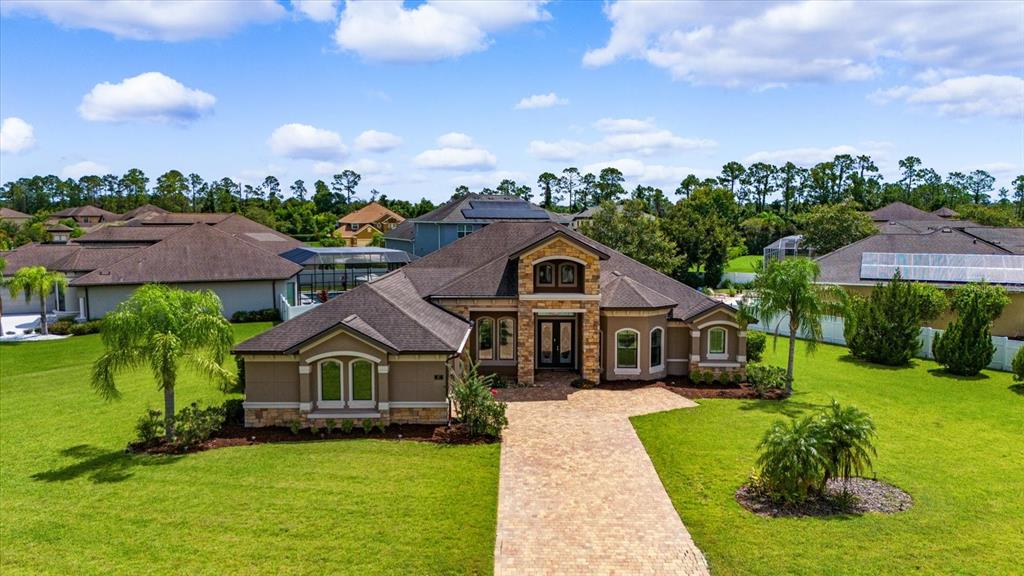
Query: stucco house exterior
point(516, 297)
point(359, 227)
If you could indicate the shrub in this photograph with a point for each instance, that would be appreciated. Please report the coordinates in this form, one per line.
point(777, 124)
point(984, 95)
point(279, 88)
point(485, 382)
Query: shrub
point(848, 437)
point(885, 327)
point(756, 342)
point(1018, 365)
point(240, 382)
point(234, 413)
point(791, 460)
point(265, 315)
point(314, 428)
point(194, 424)
point(966, 346)
point(150, 426)
point(295, 426)
point(367, 425)
point(763, 378)
point(381, 426)
point(346, 426)
point(330, 424)
point(83, 328)
point(60, 327)
point(478, 410)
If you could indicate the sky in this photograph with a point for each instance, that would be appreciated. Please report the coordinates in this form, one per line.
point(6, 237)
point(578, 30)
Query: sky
point(420, 97)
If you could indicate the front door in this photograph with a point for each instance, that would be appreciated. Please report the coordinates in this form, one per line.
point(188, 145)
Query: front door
point(556, 344)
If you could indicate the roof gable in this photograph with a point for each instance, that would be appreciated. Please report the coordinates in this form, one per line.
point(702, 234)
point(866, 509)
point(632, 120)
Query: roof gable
point(372, 212)
point(901, 211)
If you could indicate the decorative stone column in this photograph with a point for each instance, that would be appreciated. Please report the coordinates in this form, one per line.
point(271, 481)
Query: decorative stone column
point(525, 347)
point(591, 321)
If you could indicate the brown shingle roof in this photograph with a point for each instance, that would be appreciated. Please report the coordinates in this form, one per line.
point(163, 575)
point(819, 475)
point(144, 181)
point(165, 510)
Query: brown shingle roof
point(1011, 239)
point(63, 257)
point(144, 209)
point(945, 212)
point(369, 214)
point(257, 234)
point(900, 211)
point(128, 234)
point(200, 253)
point(86, 211)
point(12, 214)
point(624, 292)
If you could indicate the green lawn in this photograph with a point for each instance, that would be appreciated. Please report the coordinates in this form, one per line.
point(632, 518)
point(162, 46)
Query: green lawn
point(956, 445)
point(72, 502)
point(744, 264)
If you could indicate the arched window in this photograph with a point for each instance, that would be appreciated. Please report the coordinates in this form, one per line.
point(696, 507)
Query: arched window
point(567, 274)
point(485, 339)
point(506, 338)
point(545, 275)
point(657, 358)
point(329, 384)
point(361, 384)
point(627, 344)
point(718, 344)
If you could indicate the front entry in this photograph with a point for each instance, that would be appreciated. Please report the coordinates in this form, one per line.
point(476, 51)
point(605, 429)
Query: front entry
point(556, 344)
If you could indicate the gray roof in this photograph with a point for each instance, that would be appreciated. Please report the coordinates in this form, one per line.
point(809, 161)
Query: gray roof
point(128, 234)
point(945, 212)
point(404, 231)
point(473, 208)
point(87, 210)
point(145, 208)
point(1011, 239)
point(901, 211)
point(624, 292)
point(12, 214)
point(68, 258)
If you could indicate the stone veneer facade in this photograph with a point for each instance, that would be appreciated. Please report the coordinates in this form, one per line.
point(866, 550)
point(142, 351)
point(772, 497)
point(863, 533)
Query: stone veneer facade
point(261, 417)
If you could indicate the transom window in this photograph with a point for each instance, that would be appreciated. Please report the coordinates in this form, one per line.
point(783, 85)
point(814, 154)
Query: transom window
point(546, 275)
point(626, 348)
point(717, 343)
point(485, 339)
point(657, 335)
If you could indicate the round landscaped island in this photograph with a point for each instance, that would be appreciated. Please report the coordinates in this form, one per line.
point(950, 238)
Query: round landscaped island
point(853, 496)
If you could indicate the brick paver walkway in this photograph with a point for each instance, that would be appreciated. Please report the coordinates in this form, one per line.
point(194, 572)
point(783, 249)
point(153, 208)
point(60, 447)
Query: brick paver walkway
point(579, 495)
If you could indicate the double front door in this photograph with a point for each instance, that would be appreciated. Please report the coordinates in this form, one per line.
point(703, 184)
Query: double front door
point(556, 343)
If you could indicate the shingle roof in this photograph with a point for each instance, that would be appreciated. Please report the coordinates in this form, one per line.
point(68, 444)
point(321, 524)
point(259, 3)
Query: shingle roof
point(368, 214)
point(1011, 239)
point(128, 234)
point(257, 234)
point(624, 292)
point(199, 253)
point(63, 257)
point(945, 212)
point(404, 231)
point(180, 218)
point(900, 211)
point(451, 211)
point(86, 211)
point(12, 214)
point(145, 208)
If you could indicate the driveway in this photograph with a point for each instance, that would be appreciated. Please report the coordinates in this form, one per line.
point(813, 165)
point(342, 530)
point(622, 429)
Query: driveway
point(579, 495)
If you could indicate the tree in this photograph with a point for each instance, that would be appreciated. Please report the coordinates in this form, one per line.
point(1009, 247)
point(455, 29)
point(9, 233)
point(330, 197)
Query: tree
point(981, 184)
point(831, 226)
point(788, 289)
point(134, 184)
point(548, 182)
point(792, 181)
point(847, 437)
point(298, 189)
point(966, 347)
point(461, 191)
point(655, 201)
point(38, 281)
point(510, 188)
point(568, 186)
point(687, 185)
point(164, 328)
point(609, 185)
point(703, 227)
point(196, 189)
point(763, 229)
point(760, 180)
point(170, 190)
point(732, 172)
point(345, 184)
point(909, 170)
point(635, 233)
point(324, 198)
point(1018, 195)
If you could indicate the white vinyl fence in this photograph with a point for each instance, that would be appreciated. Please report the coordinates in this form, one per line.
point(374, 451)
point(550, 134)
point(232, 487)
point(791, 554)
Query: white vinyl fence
point(832, 332)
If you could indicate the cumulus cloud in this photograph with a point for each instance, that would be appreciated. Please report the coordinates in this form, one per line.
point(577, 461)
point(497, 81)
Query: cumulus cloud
point(16, 135)
point(490, 179)
point(456, 151)
point(317, 10)
point(84, 168)
point(772, 44)
point(560, 150)
point(364, 166)
point(151, 97)
point(809, 156)
point(982, 95)
point(167, 20)
point(541, 101)
point(302, 141)
point(648, 143)
point(636, 171)
point(623, 125)
point(622, 136)
point(377, 141)
point(434, 30)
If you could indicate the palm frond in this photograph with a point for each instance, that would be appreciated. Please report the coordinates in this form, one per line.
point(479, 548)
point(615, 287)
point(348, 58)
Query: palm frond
point(111, 363)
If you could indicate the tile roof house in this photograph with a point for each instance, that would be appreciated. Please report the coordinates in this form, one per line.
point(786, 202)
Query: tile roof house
point(516, 297)
point(462, 216)
point(359, 227)
point(9, 215)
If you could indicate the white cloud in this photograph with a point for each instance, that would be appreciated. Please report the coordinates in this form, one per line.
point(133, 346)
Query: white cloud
point(435, 30)
point(317, 10)
point(982, 95)
point(365, 167)
point(773, 43)
point(647, 143)
point(302, 141)
point(541, 101)
point(809, 156)
point(456, 151)
point(635, 171)
point(560, 150)
point(84, 168)
point(150, 96)
point(622, 136)
point(377, 141)
point(16, 135)
point(168, 20)
point(622, 125)
point(491, 179)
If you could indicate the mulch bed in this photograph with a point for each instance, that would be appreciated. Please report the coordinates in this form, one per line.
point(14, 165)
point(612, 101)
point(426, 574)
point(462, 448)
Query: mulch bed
point(680, 385)
point(235, 435)
point(868, 496)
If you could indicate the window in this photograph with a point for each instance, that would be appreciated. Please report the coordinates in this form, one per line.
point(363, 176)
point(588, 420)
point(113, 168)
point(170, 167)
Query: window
point(546, 275)
point(506, 339)
point(626, 349)
point(485, 339)
point(330, 382)
point(716, 343)
point(465, 230)
point(361, 381)
point(657, 335)
point(353, 226)
point(567, 275)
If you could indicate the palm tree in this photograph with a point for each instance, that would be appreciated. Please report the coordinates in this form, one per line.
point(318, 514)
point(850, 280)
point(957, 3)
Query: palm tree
point(164, 327)
point(848, 435)
point(39, 281)
point(788, 287)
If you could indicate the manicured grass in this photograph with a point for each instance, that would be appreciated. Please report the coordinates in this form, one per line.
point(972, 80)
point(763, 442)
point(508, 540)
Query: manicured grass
point(74, 503)
point(744, 264)
point(954, 444)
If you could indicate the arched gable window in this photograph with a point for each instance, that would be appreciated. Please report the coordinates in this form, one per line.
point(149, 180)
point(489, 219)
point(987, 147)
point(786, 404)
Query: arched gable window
point(329, 384)
point(627, 349)
point(485, 339)
point(657, 345)
point(718, 344)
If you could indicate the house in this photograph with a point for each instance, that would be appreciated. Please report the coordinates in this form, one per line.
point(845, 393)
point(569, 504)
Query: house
point(516, 297)
point(330, 271)
point(18, 218)
point(235, 257)
point(945, 257)
point(461, 217)
point(358, 228)
point(86, 216)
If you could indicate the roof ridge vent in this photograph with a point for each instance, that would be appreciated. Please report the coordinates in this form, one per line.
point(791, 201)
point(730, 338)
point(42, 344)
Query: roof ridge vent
point(617, 273)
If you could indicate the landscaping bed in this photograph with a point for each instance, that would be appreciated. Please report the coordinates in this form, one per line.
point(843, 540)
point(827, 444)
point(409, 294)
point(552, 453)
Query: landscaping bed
point(864, 495)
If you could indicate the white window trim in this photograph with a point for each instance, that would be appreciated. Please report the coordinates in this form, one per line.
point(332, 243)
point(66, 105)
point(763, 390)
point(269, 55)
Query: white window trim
point(627, 370)
point(463, 230)
point(724, 355)
point(479, 321)
point(320, 402)
point(557, 257)
point(661, 361)
point(351, 383)
point(498, 339)
point(554, 279)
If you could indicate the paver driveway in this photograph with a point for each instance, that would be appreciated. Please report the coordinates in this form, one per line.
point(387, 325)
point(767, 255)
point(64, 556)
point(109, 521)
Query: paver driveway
point(579, 495)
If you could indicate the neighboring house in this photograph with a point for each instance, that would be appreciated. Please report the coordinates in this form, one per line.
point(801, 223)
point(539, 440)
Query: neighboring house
point(516, 297)
point(358, 228)
point(944, 257)
point(8, 215)
point(583, 216)
point(235, 257)
point(900, 211)
point(461, 217)
point(329, 271)
point(142, 211)
point(86, 216)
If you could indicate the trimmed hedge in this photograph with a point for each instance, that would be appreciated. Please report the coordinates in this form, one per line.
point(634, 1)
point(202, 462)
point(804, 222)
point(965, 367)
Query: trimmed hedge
point(265, 315)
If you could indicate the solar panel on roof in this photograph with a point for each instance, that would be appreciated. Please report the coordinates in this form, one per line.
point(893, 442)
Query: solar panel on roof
point(509, 213)
point(501, 204)
point(951, 268)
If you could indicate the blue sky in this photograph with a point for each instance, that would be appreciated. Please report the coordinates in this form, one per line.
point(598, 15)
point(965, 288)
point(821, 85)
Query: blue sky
point(658, 90)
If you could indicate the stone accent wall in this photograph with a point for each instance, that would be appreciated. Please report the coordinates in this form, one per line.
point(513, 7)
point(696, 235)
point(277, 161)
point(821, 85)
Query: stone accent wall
point(263, 417)
point(419, 415)
point(561, 247)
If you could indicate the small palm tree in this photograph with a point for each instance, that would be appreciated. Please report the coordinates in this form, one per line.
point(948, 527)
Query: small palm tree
point(788, 287)
point(791, 458)
point(36, 280)
point(164, 327)
point(848, 436)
